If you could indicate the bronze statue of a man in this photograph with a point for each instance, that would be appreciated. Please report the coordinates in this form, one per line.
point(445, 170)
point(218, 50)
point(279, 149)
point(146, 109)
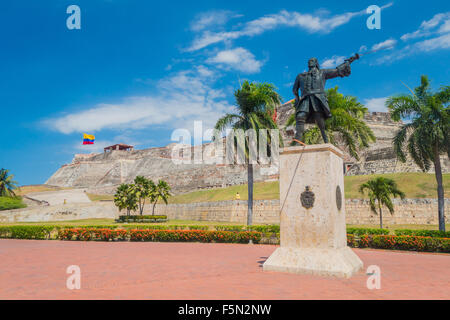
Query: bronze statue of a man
point(312, 106)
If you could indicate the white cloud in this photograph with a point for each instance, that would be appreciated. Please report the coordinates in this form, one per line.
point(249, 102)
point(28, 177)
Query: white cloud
point(309, 22)
point(437, 32)
point(184, 97)
point(376, 104)
point(387, 44)
point(211, 19)
point(437, 43)
point(239, 59)
point(362, 48)
point(429, 27)
point(332, 62)
point(442, 42)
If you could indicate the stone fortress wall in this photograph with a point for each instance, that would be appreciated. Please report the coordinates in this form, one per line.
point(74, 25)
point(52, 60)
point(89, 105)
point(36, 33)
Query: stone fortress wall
point(102, 172)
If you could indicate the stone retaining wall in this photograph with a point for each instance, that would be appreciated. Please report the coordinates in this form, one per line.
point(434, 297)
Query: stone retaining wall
point(63, 212)
point(408, 211)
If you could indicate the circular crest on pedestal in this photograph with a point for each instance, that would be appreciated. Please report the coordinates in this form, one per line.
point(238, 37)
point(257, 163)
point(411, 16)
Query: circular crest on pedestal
point(338, 198)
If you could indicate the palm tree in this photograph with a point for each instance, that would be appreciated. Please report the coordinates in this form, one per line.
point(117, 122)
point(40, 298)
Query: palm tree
point(381, 189)
point(346, 123)
point(142, 189)
point(125, 198)
point(160, 191)
point(427, 135)
point(255, 104)
point(7, 184)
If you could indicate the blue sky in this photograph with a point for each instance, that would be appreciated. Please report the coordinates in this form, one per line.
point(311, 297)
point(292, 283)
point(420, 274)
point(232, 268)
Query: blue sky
point(137, 70)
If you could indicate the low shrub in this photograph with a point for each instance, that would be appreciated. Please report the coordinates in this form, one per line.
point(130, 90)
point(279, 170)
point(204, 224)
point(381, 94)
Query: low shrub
point(274, 228)
point(86, 234)
point(363, 231)
point(26, 232)
point(198, 227)
point(351, 241)
point(415, 243)
point(423, 233)
point(412, 243)
point(230, 228)
point(9, 203)
point(141, 219)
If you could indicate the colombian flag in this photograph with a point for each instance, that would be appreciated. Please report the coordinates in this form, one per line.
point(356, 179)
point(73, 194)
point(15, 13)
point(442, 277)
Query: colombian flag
point(88, 138)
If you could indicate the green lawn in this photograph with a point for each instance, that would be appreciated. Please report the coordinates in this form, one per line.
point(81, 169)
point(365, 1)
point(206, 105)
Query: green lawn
point(100, 197)
point(262, 191)
point(415, 185)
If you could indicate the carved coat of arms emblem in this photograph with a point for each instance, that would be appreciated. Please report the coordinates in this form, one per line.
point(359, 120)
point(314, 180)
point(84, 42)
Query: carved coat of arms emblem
point(307, 198)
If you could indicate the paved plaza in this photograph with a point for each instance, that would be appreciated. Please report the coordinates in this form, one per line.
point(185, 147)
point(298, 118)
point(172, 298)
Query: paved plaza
point(32, 269)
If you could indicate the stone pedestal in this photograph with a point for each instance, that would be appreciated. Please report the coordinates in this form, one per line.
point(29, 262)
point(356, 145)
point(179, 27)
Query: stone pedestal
point(312, 222)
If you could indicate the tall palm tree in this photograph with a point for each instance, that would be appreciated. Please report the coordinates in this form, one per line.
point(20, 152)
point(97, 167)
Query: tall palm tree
point(427, 135)
point(381, 189)
point(255, 103)
point(161, 191)
point(346, 123)
point(7, 184)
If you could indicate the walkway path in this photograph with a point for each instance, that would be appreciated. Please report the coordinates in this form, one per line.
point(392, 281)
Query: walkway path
point(32, 269)
point(58, 197)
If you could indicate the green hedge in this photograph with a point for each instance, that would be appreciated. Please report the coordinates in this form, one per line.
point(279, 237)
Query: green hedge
point(142, 219)
point(26, 232)
point(8, 203)
point(362, 231)
point(423, 233)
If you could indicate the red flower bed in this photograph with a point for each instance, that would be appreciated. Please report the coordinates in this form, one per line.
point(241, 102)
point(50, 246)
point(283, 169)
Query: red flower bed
point(85, 234)
point(414, 243)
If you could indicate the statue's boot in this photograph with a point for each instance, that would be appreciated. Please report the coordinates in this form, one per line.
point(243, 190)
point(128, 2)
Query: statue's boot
point(299, 129)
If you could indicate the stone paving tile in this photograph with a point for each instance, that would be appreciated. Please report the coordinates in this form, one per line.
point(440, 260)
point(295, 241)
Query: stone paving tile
point(32, 269)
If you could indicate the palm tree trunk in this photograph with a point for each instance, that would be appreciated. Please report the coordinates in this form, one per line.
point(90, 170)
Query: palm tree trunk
point(250, 194)
point(440, 188)
point(381, 214)
point(153, 210)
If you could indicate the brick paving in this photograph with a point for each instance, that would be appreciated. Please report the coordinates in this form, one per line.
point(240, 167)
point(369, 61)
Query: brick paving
point(32, 269)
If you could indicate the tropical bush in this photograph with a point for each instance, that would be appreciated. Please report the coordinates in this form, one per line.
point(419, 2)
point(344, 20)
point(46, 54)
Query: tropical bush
point(9, 203)
point(133, 196)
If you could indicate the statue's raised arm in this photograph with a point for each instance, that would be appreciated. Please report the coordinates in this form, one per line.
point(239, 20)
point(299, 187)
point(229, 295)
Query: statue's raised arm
point(342, 70)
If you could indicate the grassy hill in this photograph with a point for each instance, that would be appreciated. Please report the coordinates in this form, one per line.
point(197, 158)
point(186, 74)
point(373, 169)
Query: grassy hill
point(415, 185)
point(24, 190)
